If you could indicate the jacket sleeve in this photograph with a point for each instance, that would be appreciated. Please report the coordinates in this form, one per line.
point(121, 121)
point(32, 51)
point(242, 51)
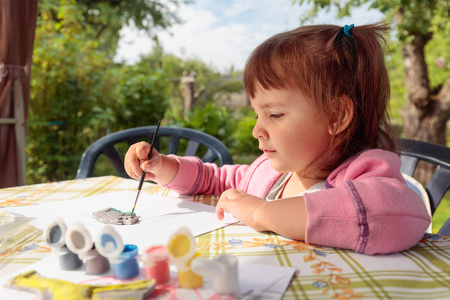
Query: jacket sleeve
point(368, 207)
point(196, 177)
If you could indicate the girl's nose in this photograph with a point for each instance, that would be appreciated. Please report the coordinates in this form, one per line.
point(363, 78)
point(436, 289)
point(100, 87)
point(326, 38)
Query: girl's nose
point(258, 131)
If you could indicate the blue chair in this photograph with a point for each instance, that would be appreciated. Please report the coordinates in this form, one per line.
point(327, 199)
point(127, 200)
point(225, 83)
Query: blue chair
point(413, 151)
point(170, 140)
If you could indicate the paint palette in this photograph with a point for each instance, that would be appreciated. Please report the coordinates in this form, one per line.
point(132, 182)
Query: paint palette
point(115, 217)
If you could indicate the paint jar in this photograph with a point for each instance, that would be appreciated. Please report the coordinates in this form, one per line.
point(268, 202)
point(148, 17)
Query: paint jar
point(67, 259)
point(187, 278)
point(79, 241)
point(55, 237)
point(96, 264)
point(156, 262)
point(226, 282)
point(223, 269)
point(128, 266)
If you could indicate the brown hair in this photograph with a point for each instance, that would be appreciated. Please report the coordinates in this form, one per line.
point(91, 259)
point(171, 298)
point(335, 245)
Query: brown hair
point(324, 64)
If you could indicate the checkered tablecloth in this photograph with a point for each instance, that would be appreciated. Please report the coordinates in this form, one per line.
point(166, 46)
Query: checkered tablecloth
point(423, 272)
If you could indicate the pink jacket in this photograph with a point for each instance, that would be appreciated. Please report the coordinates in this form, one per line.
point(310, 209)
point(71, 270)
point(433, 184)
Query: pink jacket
point(366, 205)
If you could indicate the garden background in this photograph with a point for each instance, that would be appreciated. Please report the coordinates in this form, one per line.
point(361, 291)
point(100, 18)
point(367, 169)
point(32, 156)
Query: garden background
point(79, 94)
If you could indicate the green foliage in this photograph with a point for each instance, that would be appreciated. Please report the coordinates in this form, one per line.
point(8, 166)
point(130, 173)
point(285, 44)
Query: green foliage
point(77, 93)
point(222, 89)
point(69, 100)
point(102, 20)
point(412, 17)
point(396, 71)
point(143, 97)
point(211, 118)
point(438, 59)
point(207, 115)
point(419, 16)
point(243, 141)
point(442, 213)
point(174, 66)
point(173, 69)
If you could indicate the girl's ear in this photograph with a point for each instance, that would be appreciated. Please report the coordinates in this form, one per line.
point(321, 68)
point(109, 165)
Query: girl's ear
point(342, 115)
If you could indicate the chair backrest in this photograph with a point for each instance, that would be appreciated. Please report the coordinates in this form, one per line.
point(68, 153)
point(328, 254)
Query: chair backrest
point(197, 143)
point(411, 152)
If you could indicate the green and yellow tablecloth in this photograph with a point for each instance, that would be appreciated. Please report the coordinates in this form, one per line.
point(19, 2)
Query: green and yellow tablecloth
point(423, 272)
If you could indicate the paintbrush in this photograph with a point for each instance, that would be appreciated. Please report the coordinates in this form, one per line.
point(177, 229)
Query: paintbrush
point(141, 182)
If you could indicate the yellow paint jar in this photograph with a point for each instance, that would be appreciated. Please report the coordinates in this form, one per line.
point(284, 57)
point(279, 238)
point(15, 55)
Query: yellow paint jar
point(188, 279)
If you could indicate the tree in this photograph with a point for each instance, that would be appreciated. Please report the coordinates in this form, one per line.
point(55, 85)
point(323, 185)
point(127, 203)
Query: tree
point(70, 100)
point(102, 20)
point(417, 22)
point(143, 96)
point(77, 93)
point(208, 82)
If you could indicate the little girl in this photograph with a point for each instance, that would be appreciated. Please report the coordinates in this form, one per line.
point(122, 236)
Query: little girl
point(328, 174)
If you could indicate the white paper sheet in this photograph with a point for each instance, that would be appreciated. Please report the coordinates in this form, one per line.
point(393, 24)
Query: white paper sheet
point(160, 216)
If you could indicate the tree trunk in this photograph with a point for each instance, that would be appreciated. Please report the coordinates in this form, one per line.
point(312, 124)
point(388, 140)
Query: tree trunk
point(426, 112)
point(187, 84)
point(189, 96)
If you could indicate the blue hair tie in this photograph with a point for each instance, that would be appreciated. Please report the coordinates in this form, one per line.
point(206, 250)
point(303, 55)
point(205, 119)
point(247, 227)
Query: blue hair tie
point(347, 29)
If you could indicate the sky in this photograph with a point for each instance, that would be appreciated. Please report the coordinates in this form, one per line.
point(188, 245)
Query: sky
point(222, 33)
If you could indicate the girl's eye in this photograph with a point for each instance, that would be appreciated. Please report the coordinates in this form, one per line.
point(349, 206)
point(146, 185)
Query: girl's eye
point(276, 116)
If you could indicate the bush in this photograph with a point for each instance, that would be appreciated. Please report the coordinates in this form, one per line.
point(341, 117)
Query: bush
point(70, 104)
point(211, 118)
point(143, 97)
point(244, 147)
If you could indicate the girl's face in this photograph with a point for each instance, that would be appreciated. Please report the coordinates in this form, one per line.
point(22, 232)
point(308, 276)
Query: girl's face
point(289, 132)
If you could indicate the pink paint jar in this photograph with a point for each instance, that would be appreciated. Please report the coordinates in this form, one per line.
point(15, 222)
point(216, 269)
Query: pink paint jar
point(156, 263)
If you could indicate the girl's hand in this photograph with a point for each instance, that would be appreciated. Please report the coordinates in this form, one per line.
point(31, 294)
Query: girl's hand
point(285, 216)
point(135, 158)
point(244, 207)
point(159, 167)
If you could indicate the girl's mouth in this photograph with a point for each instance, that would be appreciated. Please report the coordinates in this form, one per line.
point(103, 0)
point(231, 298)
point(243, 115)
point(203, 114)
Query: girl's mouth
point(269, 152)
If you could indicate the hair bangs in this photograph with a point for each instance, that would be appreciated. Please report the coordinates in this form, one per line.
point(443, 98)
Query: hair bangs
point(267, 68)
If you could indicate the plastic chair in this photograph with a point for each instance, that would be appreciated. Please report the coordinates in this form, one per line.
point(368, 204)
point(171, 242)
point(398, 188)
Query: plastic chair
point(411, 152)
point(200, 144)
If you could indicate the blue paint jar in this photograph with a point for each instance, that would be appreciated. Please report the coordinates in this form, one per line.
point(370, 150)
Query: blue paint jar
point(128, 267)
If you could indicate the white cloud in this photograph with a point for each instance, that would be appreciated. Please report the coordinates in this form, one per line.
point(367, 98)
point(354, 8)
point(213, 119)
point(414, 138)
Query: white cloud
point(223, 33)
point(237, 8)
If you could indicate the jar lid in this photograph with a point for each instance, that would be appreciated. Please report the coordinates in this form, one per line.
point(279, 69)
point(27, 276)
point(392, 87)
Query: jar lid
point(55, 232)
point(181, 247)
point(155, 254)
point(109, 243)
point(78, 239)
point(129, 251)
